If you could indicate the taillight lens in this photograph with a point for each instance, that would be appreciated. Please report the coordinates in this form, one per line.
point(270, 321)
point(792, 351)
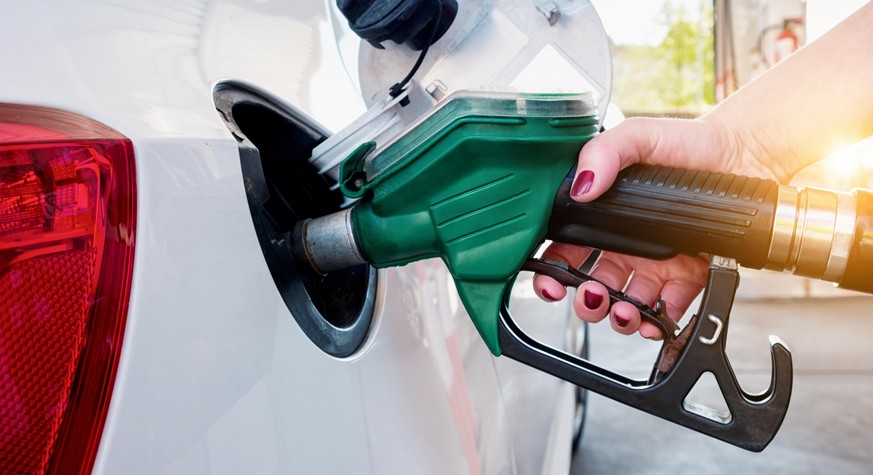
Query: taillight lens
point(67, 225)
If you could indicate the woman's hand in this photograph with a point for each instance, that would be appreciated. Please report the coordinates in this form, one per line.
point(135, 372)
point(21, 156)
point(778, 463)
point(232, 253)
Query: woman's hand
point(791, 116)
point(697, 144)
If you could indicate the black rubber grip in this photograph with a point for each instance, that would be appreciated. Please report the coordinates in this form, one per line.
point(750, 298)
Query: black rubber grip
point(659, 212)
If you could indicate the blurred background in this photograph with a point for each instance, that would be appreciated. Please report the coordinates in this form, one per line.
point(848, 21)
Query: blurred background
point(678, 58)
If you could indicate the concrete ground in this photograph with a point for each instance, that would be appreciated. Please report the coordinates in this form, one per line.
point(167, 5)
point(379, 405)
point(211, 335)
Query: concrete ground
point(829, 426)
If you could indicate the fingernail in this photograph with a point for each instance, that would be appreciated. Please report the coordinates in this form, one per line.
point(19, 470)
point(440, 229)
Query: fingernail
point(582, 184)
point(621, 321)
point(548, 296)
point(592, 300)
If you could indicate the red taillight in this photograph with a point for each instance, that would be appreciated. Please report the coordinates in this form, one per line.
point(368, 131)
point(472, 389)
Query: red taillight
point(67, 216)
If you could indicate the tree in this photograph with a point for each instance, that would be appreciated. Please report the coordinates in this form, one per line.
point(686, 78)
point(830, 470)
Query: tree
point(675, 76)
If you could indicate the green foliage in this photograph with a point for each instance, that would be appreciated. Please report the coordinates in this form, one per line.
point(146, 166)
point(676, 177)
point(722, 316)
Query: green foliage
point(675, 76)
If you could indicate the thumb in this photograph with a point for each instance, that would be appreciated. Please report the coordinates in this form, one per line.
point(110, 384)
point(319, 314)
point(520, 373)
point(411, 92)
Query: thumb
point(669, 142)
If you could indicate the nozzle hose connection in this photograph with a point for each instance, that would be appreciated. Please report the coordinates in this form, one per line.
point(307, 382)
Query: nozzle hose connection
point(327, 243)
point(813, 232)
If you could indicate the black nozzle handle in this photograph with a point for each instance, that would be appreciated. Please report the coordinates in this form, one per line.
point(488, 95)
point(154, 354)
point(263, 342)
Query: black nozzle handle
point(659, 212)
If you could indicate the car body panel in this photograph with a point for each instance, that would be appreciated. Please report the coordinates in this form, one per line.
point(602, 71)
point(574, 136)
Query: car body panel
point(215, 376)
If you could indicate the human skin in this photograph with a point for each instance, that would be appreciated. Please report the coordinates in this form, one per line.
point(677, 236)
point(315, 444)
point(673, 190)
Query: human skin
point(795, 114)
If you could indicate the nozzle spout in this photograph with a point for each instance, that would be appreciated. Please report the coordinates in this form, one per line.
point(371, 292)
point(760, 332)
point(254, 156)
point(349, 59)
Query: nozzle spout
point(327, 243)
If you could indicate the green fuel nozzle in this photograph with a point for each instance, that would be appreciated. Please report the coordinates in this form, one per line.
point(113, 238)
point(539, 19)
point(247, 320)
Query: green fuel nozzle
point(466, 190)
point(483, 179)
point(473, 183)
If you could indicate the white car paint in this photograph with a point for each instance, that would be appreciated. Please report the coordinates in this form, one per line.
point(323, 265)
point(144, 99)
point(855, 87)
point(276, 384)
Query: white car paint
point(215, 376)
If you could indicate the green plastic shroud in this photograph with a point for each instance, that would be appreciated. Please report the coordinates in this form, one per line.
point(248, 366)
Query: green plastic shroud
point(473, 183)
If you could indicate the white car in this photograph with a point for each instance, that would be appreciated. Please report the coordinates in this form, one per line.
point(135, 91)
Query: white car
point(150, 155)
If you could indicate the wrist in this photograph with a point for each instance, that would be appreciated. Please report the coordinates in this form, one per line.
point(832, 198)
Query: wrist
point(748, 148)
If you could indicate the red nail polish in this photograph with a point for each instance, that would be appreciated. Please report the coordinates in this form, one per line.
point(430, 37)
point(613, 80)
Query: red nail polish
point(592, 300)
point(621, 321)
point(582, 184)
point(548, 296)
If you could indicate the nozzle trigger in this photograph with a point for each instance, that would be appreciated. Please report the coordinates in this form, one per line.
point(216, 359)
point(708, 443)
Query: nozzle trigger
point(699, 348)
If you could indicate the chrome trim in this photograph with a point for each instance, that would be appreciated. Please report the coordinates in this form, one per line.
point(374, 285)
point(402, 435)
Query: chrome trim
point(784, 224)
point(844, 236)
point(719, 324)
point(816, 232)
point(813, 231)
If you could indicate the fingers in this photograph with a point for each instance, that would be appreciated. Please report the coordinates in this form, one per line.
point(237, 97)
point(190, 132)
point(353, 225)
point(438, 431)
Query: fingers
point(678, 294)
point(677, 281)
point(597, 169)
point(569, 253)
point(625, 318)
point(644, 288)
point(591, 302)
point(668, 142)
point(592, 305)
point(603, 156)
point(592, 299)
point(549, 289)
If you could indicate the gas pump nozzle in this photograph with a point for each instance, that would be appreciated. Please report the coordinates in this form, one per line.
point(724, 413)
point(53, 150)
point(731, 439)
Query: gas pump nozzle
point(484, 179)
